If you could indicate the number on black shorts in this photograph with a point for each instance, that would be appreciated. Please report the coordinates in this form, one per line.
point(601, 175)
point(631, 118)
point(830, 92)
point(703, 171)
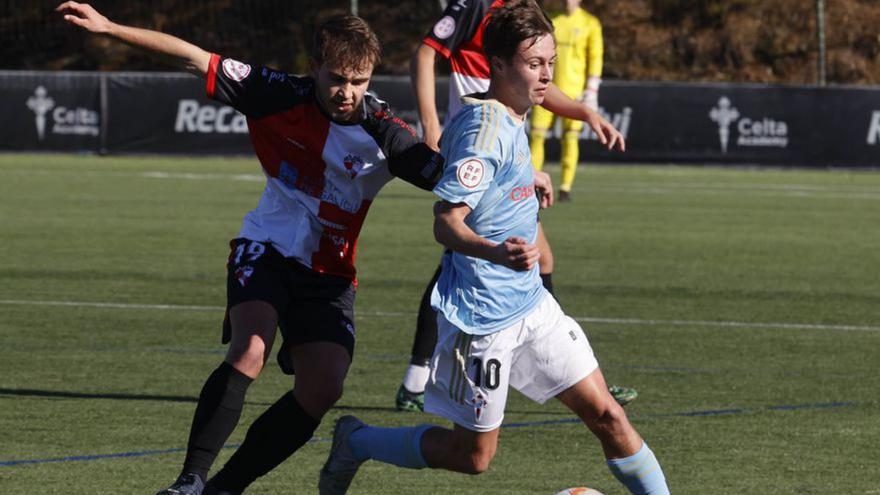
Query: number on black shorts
point(253, 249)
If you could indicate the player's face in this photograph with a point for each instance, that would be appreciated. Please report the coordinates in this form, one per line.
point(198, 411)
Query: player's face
point(340, 91)
point(528, 75)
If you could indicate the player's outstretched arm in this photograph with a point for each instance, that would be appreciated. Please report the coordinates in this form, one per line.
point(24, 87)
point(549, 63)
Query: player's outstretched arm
point(423, 79)
point(451, 231)
point(557, 102)
point(192, 58)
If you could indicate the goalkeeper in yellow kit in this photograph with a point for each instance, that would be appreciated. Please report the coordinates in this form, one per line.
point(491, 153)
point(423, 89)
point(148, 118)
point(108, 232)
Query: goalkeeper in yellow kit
point(578, 74)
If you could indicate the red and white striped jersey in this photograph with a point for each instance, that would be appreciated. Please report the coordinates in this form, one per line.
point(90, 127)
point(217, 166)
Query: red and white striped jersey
point(458, 36)
point(321, 176)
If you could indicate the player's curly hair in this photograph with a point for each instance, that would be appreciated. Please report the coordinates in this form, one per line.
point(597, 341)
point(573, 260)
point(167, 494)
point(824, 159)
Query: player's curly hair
point(346, 41)
point(510, 24)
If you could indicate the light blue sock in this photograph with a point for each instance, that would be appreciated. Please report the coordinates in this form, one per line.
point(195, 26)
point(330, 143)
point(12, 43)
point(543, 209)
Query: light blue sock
point(399, 446)
point(640, 472)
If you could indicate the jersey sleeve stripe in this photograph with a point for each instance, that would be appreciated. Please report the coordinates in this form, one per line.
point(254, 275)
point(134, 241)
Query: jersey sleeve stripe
point(488, 128)
point(496, 126)
point(484, 126)
point(211, 75)
point(442, 50)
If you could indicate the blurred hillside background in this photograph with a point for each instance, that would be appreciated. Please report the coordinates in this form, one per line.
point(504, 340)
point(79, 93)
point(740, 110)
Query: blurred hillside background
point(663, 40)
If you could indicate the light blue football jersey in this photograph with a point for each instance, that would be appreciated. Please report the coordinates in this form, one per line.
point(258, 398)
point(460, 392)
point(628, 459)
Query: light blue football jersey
point(488, 167)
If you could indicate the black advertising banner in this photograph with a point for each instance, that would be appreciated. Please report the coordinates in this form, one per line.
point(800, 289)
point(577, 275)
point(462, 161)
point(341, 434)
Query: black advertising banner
point(739, 124)
point(714, 123)
point(662, 122)
point(170, 113)
point(48, 111)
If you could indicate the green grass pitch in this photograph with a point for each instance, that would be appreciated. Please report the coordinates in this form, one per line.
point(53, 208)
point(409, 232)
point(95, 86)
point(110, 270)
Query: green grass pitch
point(743, 304)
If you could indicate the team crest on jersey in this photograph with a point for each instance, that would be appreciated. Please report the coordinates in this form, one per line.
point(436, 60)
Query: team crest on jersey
point(353, 164)
point(236, 70)
point(479, 402)
point(243, 274)
point(470, 173)
point(444, 28)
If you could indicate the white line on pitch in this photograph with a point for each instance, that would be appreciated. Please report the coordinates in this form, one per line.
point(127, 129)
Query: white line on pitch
point(586, 319)
point(81, 304)
point(735, 324)
point(203, 176)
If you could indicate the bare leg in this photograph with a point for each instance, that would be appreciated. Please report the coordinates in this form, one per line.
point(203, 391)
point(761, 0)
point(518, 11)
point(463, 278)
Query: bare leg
point(321, 368)
point(590, 400)
point(254, 325)
point(459, 449)
point(545, 263)
point(222, 397)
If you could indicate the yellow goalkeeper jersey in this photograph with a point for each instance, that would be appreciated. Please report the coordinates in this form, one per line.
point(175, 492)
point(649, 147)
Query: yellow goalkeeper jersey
point(579, 50)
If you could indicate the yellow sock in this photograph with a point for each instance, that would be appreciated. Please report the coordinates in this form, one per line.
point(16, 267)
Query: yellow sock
point(536, 145)
point(569, 160)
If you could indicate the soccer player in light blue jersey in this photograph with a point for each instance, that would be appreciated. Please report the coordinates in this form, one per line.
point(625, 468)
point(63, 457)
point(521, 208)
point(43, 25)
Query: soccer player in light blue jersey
point(497, 325)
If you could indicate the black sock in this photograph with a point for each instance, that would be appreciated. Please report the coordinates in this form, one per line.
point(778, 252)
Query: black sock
point(426, 327)
point(547, 280)
point(217, 414)
point(274, 436)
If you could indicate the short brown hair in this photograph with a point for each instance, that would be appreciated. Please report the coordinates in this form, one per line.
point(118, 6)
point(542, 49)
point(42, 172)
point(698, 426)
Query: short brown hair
point(348, 41)
point(510, 24)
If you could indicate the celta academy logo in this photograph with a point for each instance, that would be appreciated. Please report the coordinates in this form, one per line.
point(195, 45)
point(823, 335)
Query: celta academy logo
point(765, 132)
point(78, 121)
point(724, 114)
point(40, 104)
point(874, 129)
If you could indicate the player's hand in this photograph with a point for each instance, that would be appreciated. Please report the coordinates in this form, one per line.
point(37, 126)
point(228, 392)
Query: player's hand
point(432, 137)
point(517, 254)
point(84, 16)
point(610, 137)
point(544, 189)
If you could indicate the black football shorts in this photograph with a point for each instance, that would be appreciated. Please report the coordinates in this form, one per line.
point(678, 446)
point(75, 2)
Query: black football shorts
point(311, 306)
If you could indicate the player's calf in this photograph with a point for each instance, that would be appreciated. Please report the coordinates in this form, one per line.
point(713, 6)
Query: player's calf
point(459, 450)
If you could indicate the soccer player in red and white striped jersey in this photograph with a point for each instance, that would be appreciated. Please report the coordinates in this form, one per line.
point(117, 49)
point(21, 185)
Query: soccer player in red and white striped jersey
point(326, 147)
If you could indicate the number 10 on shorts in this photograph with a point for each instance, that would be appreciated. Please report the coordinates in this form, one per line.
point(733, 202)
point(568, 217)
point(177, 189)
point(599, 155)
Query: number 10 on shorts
point(488, 376)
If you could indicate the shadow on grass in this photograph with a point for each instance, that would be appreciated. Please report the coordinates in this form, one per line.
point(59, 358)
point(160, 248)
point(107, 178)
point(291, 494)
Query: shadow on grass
point(60, 394)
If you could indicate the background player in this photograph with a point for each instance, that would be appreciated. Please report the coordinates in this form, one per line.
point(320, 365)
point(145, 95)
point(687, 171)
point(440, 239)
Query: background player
point(322, 143)
point(458, 37)
point(578, 74)
point(498, 324)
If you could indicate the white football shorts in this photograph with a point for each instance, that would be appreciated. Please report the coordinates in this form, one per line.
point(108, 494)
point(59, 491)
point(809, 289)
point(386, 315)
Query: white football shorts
point(542, 355)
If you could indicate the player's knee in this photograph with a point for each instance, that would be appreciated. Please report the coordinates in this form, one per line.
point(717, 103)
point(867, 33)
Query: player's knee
point(477, 461)
point(538, 133)
point(610, 420)
point(571, 135)
point(477, 464)
point(247, 356)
